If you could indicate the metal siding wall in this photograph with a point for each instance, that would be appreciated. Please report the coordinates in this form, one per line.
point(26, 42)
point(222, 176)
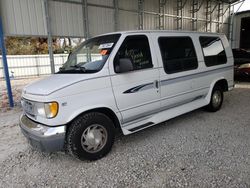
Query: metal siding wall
point(128, 4)
point(169, 9)
point(23, 17)
point(187, 8)
point(202, 11)
point(186, 24)
point(151, 6)
point(169, 23)
point(66, 19)
point(128, 20)
point(201, 25)
point(101, 20)
point(79, 1)
point(151, 21)
point(26, 17)
point(101, 2)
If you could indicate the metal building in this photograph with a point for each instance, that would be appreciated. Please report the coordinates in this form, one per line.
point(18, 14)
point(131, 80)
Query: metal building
point(241, 30)
point(87, 18)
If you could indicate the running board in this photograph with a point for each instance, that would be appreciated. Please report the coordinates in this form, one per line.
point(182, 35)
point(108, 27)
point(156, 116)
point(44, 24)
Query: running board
point(162, 116)
point(141, 126)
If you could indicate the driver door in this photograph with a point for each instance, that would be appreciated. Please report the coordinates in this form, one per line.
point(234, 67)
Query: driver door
point(137, 92)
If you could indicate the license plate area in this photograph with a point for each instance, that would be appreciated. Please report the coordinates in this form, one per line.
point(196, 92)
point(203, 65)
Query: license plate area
point(28, 107)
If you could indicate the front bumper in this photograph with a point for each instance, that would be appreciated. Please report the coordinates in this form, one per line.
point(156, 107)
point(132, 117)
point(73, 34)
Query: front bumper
point(42, 137)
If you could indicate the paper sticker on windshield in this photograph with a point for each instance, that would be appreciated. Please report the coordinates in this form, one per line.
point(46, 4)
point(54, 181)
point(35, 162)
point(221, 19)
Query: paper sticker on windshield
point(106, 45)
point(103, 52)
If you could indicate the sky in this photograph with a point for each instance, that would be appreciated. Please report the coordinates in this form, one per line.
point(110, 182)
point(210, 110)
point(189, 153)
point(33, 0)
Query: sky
point(245, 6)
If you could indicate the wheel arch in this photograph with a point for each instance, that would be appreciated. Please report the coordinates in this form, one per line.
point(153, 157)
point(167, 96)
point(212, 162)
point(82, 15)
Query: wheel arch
point(223, 84)
point(219, 81)
point(104, 110)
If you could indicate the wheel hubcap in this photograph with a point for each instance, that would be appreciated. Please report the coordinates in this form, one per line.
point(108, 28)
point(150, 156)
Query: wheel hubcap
point(94, 138)
point(216, 99)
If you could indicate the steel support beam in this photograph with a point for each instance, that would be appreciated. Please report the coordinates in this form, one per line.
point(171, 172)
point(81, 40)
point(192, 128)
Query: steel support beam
point(116, 15)
point(179, 18)
point(208, 16)
point(140, 14)
point(231, 11)
point(194, 10)
point(219, 16)
point(49, 34)
point(5, 65)
point(85, 19)
point(162, 4)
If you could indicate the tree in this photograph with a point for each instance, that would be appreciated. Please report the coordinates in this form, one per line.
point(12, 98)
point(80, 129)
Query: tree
point(29, 45)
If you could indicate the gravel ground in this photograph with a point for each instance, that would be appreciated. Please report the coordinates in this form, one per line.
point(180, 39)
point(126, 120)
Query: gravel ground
point(198, 149)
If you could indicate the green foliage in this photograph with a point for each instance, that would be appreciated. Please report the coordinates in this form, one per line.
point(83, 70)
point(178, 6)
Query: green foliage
point(29, 45)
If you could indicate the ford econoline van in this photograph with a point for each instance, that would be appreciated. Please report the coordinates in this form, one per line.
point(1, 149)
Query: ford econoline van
point(128, 81)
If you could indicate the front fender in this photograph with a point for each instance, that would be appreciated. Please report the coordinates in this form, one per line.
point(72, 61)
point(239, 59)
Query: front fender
point(89, 108)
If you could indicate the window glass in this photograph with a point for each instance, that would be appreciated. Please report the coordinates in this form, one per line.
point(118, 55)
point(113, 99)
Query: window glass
point(137, 49)
point(178, 54)
point(213, 50)
point(90, 56)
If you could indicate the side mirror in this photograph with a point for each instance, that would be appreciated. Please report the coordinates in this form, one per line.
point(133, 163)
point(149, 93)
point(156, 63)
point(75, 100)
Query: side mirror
point(124, 65)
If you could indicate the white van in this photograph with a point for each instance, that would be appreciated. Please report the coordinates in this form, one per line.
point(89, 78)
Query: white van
point(125, 80)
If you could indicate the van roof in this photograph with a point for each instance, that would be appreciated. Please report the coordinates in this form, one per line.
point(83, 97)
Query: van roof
point(162, 31)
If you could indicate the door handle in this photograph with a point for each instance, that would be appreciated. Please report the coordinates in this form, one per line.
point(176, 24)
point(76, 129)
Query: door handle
point(156, 84)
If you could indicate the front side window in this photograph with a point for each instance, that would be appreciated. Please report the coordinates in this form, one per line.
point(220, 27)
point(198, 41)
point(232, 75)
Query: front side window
point(91, 56)
point(135, 48)
point(213, 50)
point(178, 54)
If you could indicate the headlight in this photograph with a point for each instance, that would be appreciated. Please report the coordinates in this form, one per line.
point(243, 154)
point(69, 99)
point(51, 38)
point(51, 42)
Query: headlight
point(51, 109)
point(46, 110)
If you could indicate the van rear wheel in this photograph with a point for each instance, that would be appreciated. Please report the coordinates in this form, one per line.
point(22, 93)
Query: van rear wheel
point(216, 99)
point(90, 136)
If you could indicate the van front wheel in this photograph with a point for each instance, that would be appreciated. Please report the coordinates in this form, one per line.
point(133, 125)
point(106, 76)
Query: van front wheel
point(216, 99)
point(90, 136)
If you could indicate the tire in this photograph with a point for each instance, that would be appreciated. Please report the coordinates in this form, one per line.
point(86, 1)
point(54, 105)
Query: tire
point(90, 136)
point(216, 99)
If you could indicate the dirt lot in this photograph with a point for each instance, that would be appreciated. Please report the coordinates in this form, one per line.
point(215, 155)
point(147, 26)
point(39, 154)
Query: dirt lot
point(199, 149)
point(17, 85)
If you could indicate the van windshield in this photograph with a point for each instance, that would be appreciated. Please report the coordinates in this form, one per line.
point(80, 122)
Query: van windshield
point(90, 56)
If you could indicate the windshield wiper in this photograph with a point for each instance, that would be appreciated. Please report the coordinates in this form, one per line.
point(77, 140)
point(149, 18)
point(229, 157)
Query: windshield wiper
point(83, 69)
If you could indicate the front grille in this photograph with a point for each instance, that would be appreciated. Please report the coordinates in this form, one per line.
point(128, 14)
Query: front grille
point(28, 107)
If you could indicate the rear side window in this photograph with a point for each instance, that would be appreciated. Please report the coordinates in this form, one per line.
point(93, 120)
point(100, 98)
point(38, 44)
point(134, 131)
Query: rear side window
point(178, 54)
point(137, 49)
point(213, 50)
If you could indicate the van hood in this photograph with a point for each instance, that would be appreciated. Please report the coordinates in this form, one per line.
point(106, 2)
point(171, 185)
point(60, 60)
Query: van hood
point(55, 82)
